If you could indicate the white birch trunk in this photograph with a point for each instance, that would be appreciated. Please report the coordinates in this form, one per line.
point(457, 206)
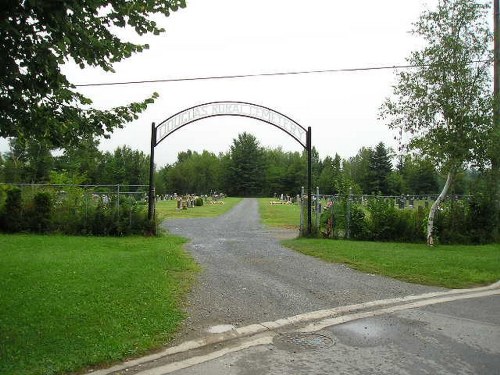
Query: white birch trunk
point(434, 207)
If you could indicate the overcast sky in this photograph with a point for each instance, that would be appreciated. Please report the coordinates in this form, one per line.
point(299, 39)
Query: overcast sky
point(226, 37)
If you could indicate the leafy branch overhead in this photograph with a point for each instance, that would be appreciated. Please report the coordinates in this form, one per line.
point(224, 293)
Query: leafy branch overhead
point(37, 37)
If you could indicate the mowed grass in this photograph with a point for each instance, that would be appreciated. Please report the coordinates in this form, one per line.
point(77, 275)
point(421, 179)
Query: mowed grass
point(447, 266)
point(451, 266)
point(67, 303)
point(167, 210)
point(279, 215)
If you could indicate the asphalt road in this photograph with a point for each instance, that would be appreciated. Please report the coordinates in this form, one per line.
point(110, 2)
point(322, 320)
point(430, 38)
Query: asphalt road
point(459, 337)
point(248, 277)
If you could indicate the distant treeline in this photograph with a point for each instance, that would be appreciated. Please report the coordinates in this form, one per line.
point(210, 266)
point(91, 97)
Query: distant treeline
point(246, 169)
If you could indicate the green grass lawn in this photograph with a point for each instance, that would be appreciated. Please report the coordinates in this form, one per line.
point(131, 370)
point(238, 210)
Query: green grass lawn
point(167, 210)
point(279, 215)
point(452, 266)
point(445, 265)
point(67, 303)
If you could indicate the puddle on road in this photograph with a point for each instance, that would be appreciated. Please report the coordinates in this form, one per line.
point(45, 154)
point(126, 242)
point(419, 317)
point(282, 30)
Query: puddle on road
point(368, 332)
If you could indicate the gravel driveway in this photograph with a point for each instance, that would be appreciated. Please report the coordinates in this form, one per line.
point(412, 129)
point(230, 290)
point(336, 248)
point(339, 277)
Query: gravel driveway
point(248, 277)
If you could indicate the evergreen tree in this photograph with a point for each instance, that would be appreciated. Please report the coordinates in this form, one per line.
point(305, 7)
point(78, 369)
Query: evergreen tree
point(247, 167)
point(379, 170)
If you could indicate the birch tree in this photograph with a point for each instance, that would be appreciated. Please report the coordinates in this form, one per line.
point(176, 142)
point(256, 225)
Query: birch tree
point(442, 106)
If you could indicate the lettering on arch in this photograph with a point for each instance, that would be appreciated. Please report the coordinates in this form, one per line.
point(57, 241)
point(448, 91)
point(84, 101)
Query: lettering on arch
point(241, 109)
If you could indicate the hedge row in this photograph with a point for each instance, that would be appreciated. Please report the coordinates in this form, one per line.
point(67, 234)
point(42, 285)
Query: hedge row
point(73, 211)
point(468, 221)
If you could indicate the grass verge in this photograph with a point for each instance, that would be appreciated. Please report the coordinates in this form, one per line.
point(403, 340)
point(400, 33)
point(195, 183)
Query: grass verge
point(279, 215)
point(67, 303)
point(167, 210)
point(445, 265)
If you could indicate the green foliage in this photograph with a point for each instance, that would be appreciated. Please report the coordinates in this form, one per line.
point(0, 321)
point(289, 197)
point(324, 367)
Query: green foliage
point(444, 104)
point(358, 225)
point(27, 161)
point(36, 37)
point(384, 222)
point(192, 173)
point(483, 219)
point(40, 215)
point(467, 221)
point(330, 175)
point(379, 169)
point(198, 202)
point(247, 166)
point(12, 213)
point(359, 167)
point(72, 211)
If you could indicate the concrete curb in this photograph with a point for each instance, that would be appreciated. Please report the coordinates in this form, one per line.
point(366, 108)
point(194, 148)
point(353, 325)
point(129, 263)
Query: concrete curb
point(328, 316)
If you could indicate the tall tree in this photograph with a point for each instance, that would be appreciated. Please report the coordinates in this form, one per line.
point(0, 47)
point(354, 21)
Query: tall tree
point(359, 167)
point(81, 161)
point(28, 162)
point(296, 173)
point(330, 175)
point(37, 37)
point(444, 104)
point(379, 170)
point(123, 166)
point(277, 163)
point(247, 168)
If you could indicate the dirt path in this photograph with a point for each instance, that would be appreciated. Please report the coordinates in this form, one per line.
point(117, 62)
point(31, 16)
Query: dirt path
point(248, 277)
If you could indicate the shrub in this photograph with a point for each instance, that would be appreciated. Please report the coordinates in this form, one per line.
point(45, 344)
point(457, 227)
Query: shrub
point(198, 201)
point(40, 216)
point(451, 222)
point(384, 223)
point(466, 221)
point(412, 225)
point(339, 218)
point(12, 215)
point(358, 226)
point(482, 219)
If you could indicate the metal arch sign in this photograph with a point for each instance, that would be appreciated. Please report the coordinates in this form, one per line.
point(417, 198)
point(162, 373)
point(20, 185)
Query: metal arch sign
point(231, 108)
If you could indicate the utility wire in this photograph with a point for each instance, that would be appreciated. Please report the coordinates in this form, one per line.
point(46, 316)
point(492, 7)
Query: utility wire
point(246, 76)
point(236, 76)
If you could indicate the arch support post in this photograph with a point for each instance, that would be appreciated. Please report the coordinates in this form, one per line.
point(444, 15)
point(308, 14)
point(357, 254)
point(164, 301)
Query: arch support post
point(309, 180)
point(151, 194)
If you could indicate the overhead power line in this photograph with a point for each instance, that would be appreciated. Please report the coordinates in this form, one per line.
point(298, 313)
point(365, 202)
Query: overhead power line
point(235, 76)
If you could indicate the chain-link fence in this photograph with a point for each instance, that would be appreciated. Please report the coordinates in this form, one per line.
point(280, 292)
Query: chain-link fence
point(461, 218)
point(73, 209)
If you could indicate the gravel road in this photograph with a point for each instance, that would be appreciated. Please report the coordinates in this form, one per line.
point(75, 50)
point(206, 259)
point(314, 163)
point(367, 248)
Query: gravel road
point(248, 277)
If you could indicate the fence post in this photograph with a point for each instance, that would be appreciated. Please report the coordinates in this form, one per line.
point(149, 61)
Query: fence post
point(348, 215)
point(118, 200)
point(318, 210)
point(301, 202)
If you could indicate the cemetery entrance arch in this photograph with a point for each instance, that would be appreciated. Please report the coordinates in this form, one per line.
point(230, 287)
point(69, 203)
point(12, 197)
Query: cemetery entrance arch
point(230, 108)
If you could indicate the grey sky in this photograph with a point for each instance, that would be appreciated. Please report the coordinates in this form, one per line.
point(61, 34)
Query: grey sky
point(225, 37)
